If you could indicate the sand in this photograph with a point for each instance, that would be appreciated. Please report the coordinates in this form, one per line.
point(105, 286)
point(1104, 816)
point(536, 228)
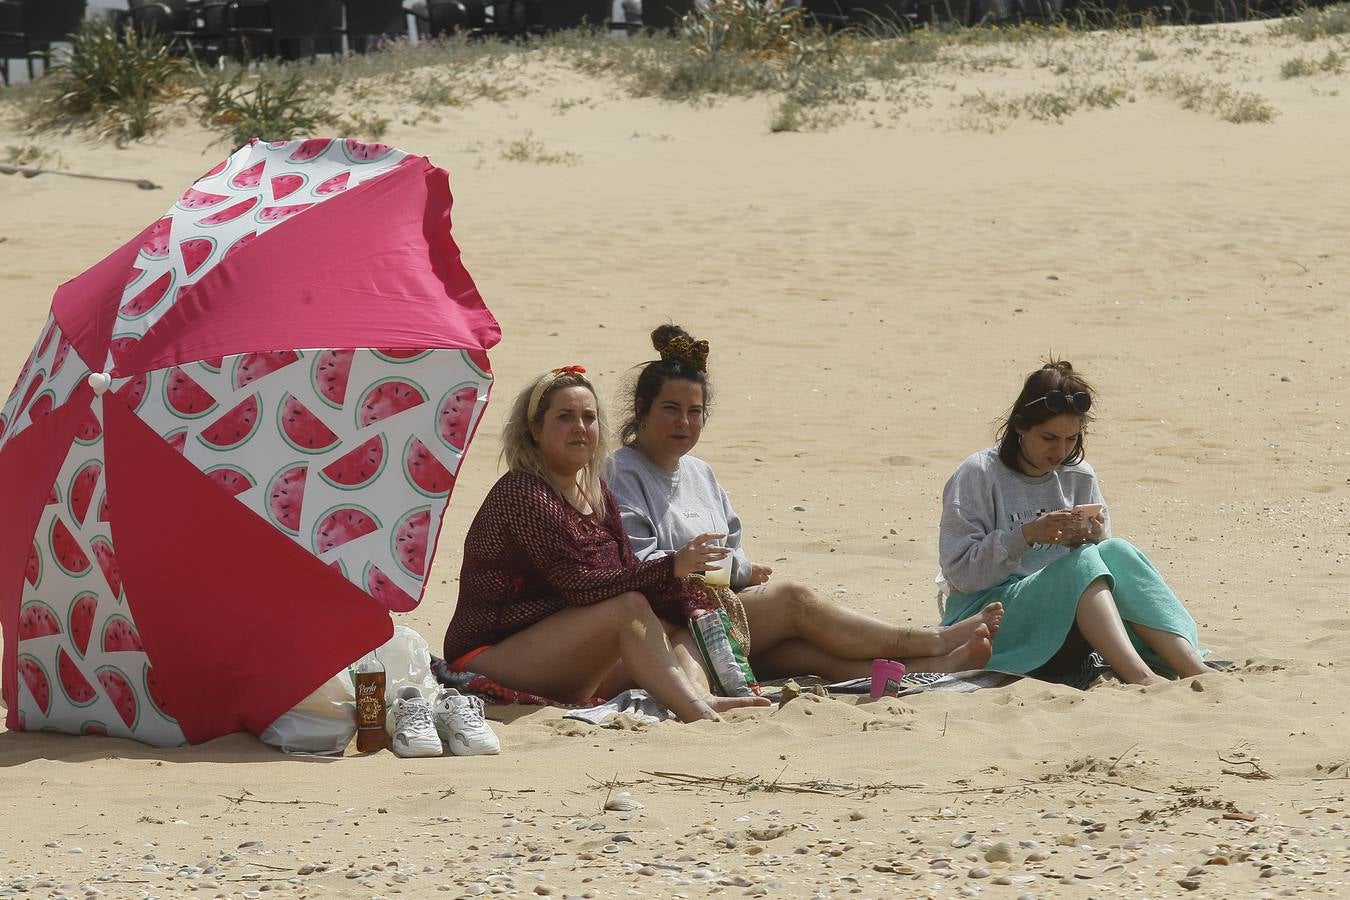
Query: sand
point(873, 294)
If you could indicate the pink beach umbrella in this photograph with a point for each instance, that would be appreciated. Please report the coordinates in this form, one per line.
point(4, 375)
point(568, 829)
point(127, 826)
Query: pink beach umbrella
point(227, 459)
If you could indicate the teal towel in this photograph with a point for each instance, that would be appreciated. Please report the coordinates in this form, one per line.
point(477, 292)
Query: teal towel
point(1039, 609)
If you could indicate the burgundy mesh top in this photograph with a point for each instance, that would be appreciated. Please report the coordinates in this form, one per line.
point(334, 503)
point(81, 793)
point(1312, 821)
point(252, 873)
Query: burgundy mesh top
point(529, 554)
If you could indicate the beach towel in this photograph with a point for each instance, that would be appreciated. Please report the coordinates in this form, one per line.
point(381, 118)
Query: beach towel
point(634, 702)
point(494, 694)
point(1082, 677)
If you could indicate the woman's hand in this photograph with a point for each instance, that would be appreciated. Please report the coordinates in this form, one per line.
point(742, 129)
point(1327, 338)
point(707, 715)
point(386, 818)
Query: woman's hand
point(1063, 526)
point(699, 554)
point(1096, 528)
point(758, 574)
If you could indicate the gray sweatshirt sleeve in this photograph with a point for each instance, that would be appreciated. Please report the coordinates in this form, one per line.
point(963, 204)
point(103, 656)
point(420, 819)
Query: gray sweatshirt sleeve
point(973, 552)
point(625, 486)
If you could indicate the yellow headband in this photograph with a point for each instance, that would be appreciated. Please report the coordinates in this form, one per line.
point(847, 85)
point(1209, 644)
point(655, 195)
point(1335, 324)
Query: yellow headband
point(543, 384)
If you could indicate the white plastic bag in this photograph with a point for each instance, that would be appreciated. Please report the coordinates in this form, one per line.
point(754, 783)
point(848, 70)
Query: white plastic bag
point(407, 661)
point(323, 723)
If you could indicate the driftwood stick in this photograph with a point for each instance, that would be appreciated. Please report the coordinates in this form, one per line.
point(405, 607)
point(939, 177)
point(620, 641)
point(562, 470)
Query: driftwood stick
point(144, 184)
point(245, 798)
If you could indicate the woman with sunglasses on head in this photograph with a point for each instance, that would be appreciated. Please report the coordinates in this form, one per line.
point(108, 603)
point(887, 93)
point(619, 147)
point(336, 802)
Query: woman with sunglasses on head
point(551, 599)
point(1024, 523)
point(670, 499)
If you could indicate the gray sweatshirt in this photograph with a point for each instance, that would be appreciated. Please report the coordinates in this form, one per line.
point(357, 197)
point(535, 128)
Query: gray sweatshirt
point(662, 511)
point(984, 506)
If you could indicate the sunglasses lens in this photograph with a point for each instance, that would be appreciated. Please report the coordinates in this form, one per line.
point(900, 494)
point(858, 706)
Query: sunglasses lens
point(1082, 402)
point(1055, 401)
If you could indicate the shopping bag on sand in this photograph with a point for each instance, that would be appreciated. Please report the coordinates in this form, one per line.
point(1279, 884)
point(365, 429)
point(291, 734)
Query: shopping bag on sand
point(727, 664)
point(325, 722)
point(322, 723)
point(407, 661)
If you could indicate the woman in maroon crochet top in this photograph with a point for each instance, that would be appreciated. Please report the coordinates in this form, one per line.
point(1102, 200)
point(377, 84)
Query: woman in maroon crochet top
point(551, 599)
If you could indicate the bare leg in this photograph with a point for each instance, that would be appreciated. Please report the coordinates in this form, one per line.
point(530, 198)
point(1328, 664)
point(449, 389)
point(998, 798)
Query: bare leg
point(797, 657)
point(784, 611)
point(1099, 621)
point(959, 633)
point(973, 654)
point(686, 653)
point(572, 653)
point(1175, 650)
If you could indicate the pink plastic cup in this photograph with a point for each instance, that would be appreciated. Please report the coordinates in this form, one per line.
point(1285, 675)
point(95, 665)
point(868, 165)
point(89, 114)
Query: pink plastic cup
point(886, 675)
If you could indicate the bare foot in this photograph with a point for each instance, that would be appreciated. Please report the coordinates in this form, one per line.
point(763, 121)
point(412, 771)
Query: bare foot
point(709, 709)
point(722, 704)
point(954, 636)
point(973, 654)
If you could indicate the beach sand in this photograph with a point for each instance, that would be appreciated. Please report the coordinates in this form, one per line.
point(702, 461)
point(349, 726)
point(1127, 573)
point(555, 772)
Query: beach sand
point(873, 295)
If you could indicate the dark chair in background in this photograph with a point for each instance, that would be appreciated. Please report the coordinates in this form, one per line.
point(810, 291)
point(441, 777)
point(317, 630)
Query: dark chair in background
point(13, 43)
point(439, 18)
point(366, 21)
point(665, 15)
point(289, 29)
point(169, 18)
point(559, 15)
point(511, 18)
point(30, 27)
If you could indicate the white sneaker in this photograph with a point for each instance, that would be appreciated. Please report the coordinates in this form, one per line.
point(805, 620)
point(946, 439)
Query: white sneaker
point(460, 723)
point(413, 732)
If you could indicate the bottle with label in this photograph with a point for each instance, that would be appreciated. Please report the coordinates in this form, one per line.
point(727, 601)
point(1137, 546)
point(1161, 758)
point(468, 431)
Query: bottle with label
point(368, 678)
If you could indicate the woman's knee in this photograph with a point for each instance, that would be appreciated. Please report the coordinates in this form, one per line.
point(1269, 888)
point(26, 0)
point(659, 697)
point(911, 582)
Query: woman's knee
point(629, 607)
point(1095, 586)
point(800, 601)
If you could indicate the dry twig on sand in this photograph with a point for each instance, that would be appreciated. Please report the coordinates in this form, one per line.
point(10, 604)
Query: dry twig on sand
point(246, 796)
point(744, 784)
point(1255, 773)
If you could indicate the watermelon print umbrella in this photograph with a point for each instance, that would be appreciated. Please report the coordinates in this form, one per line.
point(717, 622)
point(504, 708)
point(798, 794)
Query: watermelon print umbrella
point(228, 457)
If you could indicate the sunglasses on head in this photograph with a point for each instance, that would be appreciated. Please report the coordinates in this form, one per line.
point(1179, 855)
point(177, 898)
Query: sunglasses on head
point(1058, 401)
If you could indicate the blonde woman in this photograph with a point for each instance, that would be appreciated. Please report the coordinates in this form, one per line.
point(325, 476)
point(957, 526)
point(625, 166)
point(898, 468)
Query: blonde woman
point(551, 599)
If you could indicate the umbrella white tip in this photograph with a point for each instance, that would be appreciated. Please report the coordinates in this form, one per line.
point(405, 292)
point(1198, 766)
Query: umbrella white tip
point(99, 382)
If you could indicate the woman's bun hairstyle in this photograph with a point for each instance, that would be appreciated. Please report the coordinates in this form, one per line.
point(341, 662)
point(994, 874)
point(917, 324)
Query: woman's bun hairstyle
point(680, 356)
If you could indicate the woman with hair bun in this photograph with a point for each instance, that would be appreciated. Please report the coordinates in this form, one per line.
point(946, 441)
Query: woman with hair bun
point(670, 499)
point(1024, 523)
point(551, 599)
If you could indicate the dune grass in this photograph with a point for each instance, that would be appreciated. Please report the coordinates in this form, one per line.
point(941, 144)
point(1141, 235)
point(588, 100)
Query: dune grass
point(115, 89)
point(1314, 24)
point(124, 89)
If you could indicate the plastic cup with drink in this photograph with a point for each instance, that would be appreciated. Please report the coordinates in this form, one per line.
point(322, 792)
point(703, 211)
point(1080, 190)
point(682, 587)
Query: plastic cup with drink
point(720, 576)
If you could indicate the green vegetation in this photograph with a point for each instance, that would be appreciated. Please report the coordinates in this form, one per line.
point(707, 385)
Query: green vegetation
point(530, 149)
point(1312, 24)
point(813, 79)
point(987, 112)
point(112, 87)
point(1298, 67)
point(274, 107)
point(1203, 95)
